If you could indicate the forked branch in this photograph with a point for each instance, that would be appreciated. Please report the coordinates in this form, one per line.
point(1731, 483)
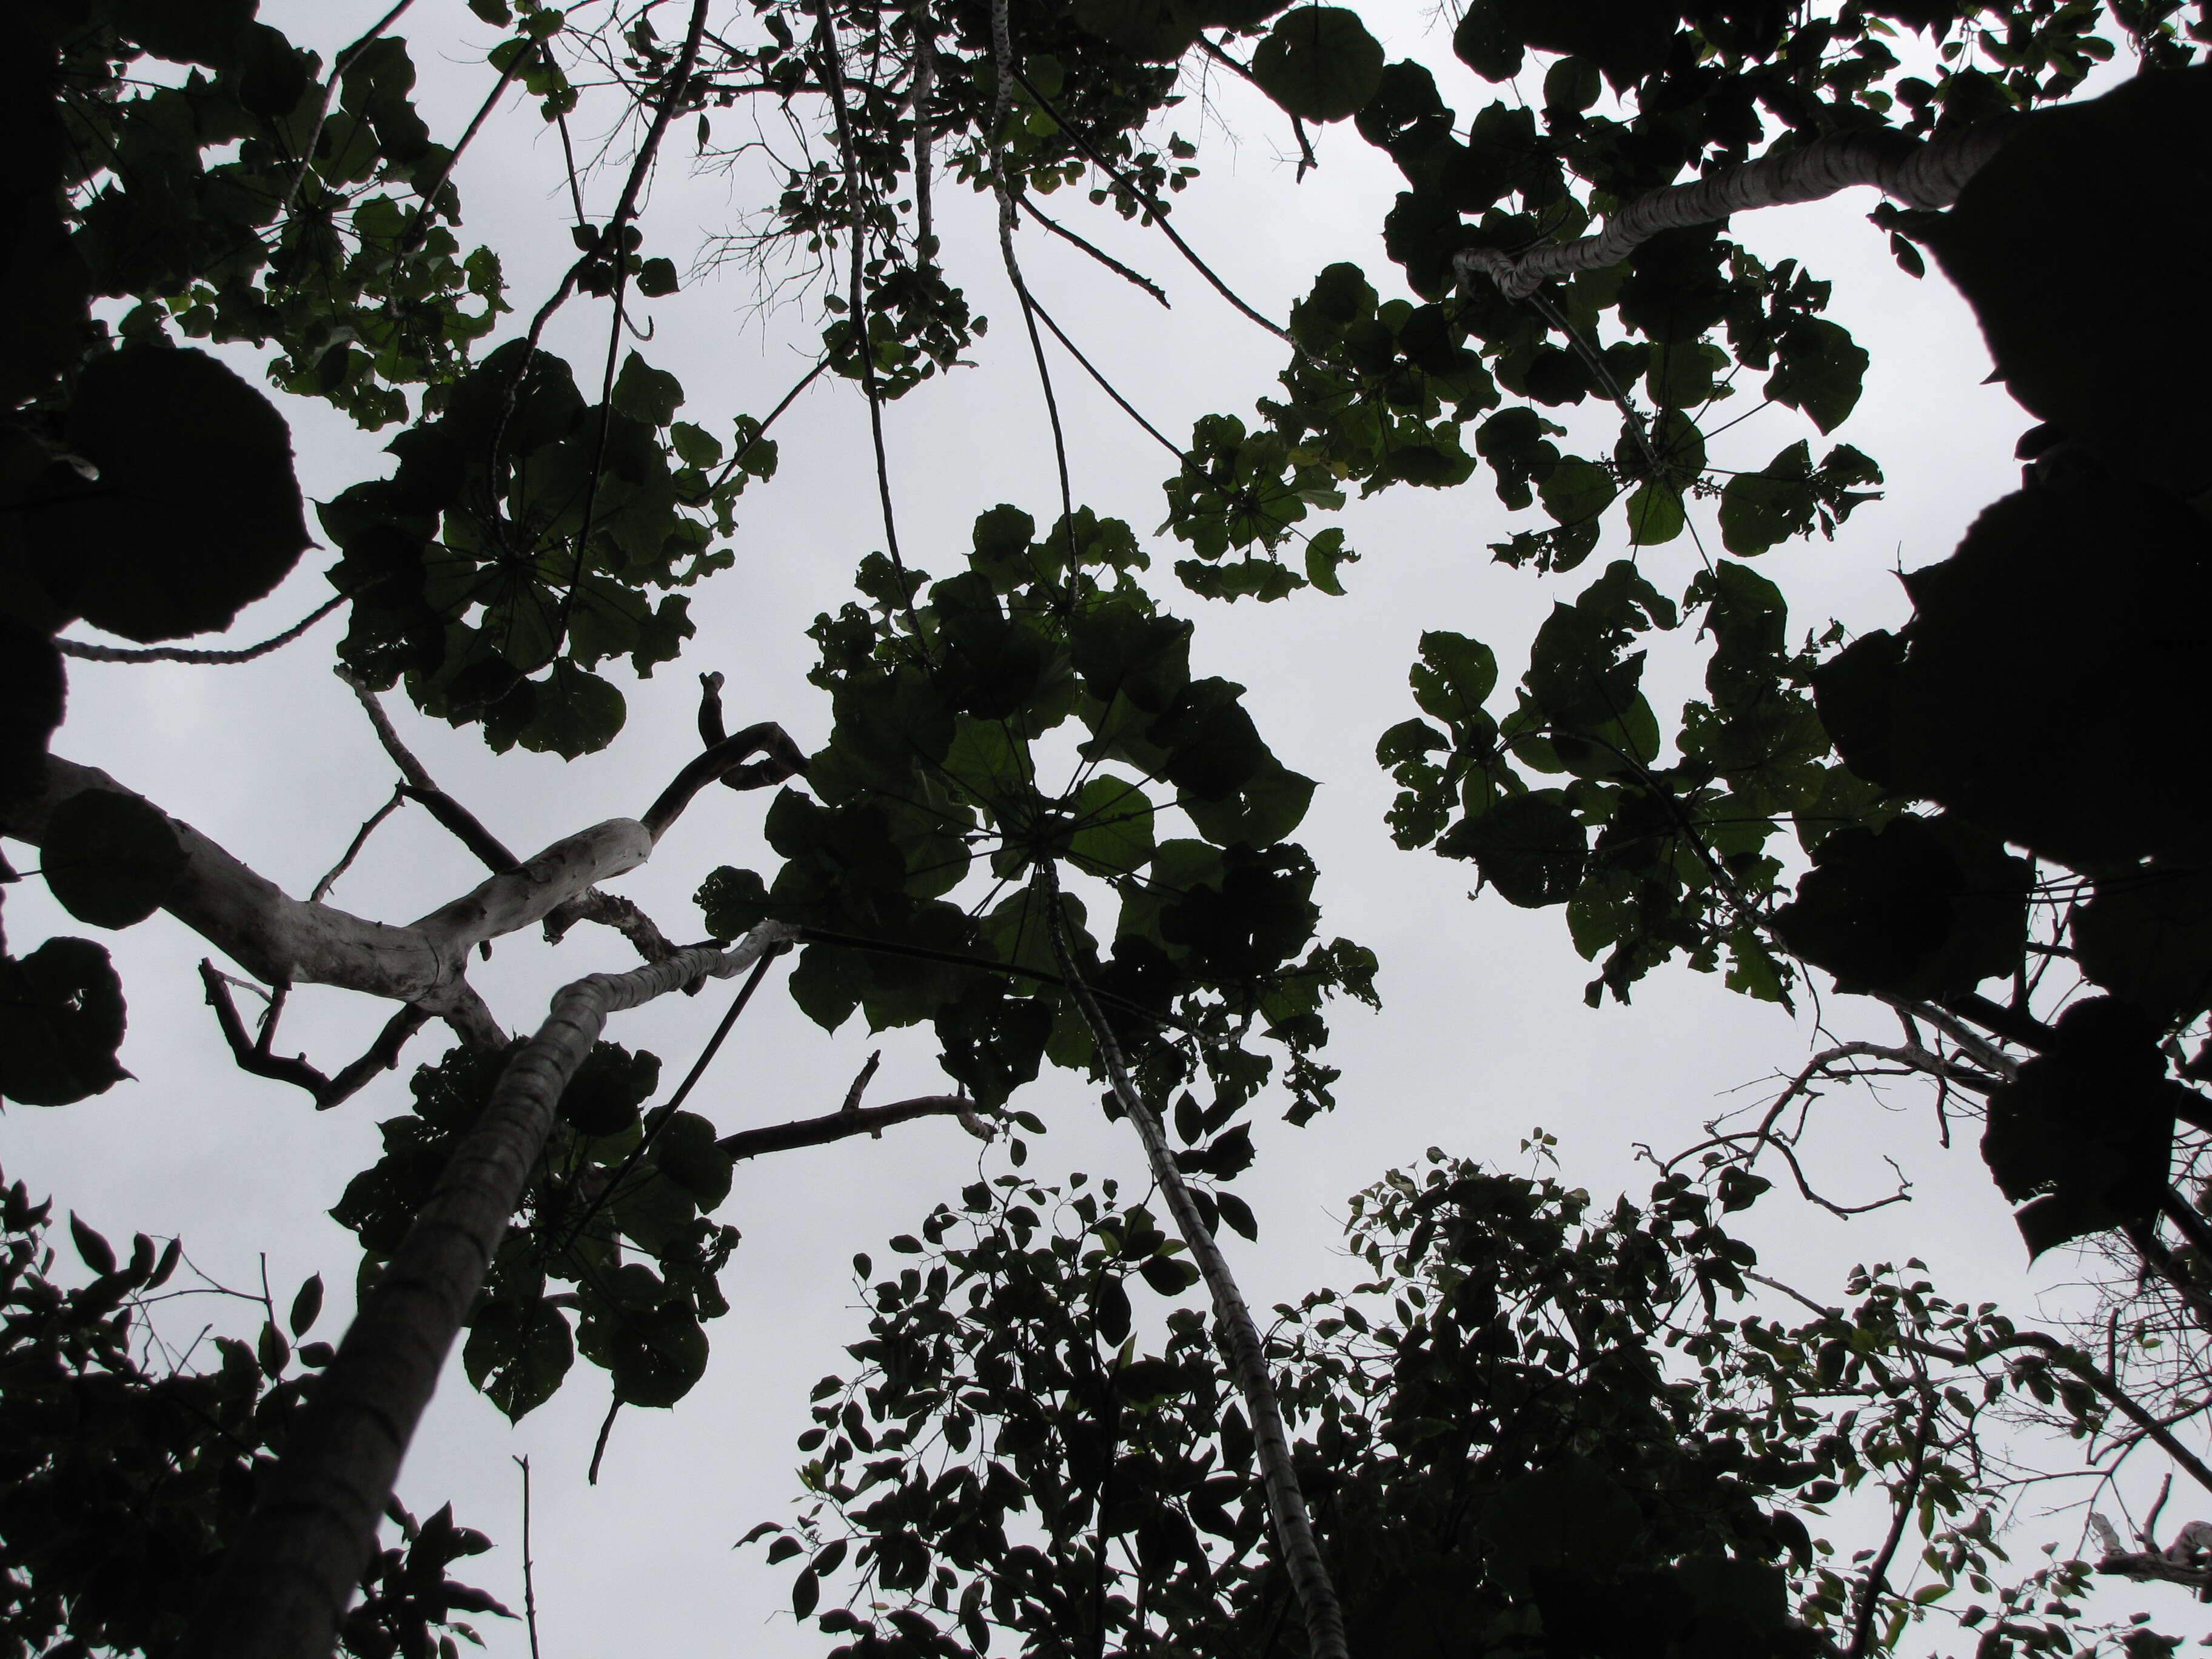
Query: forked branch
point(284, 1585)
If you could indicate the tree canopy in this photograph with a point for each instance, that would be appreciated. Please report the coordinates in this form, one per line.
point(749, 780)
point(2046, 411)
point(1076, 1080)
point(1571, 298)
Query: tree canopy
point(1042, 832)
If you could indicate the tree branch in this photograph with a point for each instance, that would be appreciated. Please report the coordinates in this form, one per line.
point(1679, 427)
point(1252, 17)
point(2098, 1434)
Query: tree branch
point(1098, 253)
point(328, 1091)
point(85, 651)
point(861, 1121)
point(1877, 1572)
point(2059, 1353)
point(1924, 173)
point(285, 1584)
point(726, 761)
point(422, 787)
point(280, 941)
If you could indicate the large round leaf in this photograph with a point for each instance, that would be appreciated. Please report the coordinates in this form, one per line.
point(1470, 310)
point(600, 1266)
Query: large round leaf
point(517, 1353)
point(195, 510)
point(61, 1022)
point(110, 858)
point(1149, 30)
point(654, 1356)
point(195, 32)
point(1530, 847)
point(1319, 62)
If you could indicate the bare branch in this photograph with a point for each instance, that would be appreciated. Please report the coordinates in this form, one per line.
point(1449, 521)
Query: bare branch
point(861, 1083)
point(85, 651)
point(422, 787)
point(284, 940)
point(2059, 1353)
point(726, 761)
point(254, 1058)
point(353, 848)
point(609, 910)
point(842, 1125)
point(1098, 253)
point(2186, 1560)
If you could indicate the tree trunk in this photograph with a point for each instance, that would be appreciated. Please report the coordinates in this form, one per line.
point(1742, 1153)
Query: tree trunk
point(1240, 1336)
point(286, 1582)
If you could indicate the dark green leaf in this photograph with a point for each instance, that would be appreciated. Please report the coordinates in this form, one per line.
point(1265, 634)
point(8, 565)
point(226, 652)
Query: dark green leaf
point(1319, 62)
point(306, 1305)
point(110, 858)
point(61, 1022)
point(95, 1251)
point(1530, 848)
point(195, 511)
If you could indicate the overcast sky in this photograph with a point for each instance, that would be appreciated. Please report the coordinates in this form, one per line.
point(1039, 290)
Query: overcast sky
point(1483, 1034)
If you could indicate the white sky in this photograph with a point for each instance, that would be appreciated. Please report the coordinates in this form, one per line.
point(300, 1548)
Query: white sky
point(1483, 1033)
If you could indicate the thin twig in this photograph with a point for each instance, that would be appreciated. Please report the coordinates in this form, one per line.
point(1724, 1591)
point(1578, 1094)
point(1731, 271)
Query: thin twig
point(1106, 387)
point(1156, 212)
point(609, 239)
point(1003, 49)
point(529, 1582)
point(1907, 1497)
point(856, 322)
point(600, 1449)
point(599, 451)
point(425, 215)
point(87, 652)
point(1098, 253)
point(660, 1114)
point(2059, 1353)
point(339, 65)
point(421, 786)
point(746, 448)
point(353, 851)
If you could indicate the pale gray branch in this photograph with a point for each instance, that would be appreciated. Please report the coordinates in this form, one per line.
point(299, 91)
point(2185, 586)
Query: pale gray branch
point(1923, 174)
point(284, 940)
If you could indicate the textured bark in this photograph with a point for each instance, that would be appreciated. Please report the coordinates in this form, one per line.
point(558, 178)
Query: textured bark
point(286, 1581)
point(1240, 1336)
point(1927, 173)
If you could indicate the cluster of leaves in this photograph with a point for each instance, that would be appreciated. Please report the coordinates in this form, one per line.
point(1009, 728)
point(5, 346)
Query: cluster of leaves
point(942, 692)
point(1531, 1433)
point(2068, 607)
point(614, 1190)
point(145, 490)
point(1680, 860)
point(124, 1479)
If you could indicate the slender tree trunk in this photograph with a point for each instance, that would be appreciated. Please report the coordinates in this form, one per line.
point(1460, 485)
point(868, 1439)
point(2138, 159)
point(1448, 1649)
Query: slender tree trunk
point(286, 1581)
point(1240, 1336)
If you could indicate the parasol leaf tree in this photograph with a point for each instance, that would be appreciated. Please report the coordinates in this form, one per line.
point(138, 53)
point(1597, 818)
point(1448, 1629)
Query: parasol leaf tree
point(1041, 831)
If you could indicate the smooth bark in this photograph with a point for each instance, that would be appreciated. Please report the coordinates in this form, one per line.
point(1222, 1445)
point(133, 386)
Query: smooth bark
point(286, 1582)
point(1925, 174)
point(1240, 1336)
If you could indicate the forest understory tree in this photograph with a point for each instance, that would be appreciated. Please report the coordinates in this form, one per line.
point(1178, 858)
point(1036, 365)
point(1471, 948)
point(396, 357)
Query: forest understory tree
point(1542, 1426)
